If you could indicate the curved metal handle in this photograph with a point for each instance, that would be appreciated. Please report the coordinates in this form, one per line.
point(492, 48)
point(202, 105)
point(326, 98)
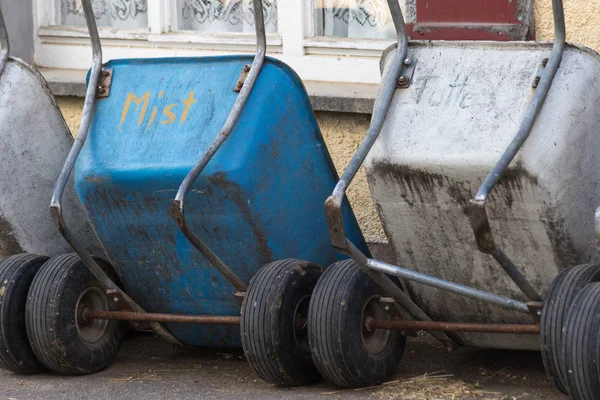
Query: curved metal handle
point(65, 173)
point(477, 207)
point(178, 204)
point(4, 45)
point(333, 205)
point(534, 107)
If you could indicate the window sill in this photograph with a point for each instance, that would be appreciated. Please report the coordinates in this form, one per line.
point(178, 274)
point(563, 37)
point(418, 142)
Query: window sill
point(355, 98)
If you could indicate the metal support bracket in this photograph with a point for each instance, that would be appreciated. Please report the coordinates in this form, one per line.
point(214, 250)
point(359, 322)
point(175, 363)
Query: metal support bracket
point(242, 78)
point(535, 308)
point(408, 72)
point(240, 296)
point(539, 73)
point(104, 84)
point(116, 297)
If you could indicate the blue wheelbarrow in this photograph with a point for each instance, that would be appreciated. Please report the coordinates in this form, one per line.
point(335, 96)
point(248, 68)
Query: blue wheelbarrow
point(483, 161)
point(256, 205)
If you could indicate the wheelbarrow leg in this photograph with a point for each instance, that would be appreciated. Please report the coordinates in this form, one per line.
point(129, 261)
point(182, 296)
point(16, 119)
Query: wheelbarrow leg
point(178, 204)
point(403, 300)
point(56, 203)
point(477, 207)
point(333, 205)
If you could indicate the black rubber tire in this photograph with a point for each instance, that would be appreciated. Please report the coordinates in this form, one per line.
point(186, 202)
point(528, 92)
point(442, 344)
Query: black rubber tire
point(565, 287)
point(581, 344)
point(268, 327)
point(16, 274)
point(335, 326)
point(52, 324)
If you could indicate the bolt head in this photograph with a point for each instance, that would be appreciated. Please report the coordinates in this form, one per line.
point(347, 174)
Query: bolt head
point(116, 299)
point(403, 80)
point(407, 62)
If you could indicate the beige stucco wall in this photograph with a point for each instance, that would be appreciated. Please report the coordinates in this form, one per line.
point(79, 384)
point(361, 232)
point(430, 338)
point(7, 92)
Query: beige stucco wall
point(582, 17)
point(342, 132)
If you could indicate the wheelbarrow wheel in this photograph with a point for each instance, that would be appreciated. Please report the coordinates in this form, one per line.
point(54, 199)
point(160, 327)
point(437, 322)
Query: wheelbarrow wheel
point(344, 351)
point(60, 336)
point(581, 344)
point(565, 287)
point(16, 274)
point(274, 317)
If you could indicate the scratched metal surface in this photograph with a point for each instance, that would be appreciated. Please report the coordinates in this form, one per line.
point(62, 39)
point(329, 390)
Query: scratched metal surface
point(34, 142)
point(440, 140)
point(260, 199)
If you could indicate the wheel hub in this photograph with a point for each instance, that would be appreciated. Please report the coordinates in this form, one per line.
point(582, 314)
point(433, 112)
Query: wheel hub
point(301, 324)
point(91, 331)
point(374, 340)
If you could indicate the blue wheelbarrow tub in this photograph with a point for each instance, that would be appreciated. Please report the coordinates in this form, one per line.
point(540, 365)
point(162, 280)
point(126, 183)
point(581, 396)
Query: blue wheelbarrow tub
point(260, 199)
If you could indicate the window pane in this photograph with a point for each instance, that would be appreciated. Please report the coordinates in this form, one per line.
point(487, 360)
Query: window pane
point(368, 19)
point(218, 16)
point(125, 14)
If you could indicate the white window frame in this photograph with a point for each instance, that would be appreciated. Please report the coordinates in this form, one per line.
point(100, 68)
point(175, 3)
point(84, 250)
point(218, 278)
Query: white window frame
point(314, 58)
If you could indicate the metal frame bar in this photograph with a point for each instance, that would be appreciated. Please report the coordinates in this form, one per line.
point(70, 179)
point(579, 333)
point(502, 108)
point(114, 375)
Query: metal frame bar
point(4, 44)
point(178, 204)
point(65, 173)
point(333, 205)
point(477, 208)
point(378, 270)
point(370, 323)
point(88, 314)
point(401, 325)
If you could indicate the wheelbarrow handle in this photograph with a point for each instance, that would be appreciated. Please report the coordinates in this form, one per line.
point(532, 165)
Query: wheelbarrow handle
point(178, 204)
point(65, 173)
point(88, 111)
point(389, 80)
point(4, 45)
point(536, 103)
point(477, 209)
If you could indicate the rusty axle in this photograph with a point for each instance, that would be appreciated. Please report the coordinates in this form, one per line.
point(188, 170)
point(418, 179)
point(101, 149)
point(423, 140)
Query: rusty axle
point(401, 325)
point(150, 317)
point(370, 323)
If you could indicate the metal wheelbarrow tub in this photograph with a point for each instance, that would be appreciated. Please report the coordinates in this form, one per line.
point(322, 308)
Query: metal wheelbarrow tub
point(34, 141)
point(440, 139)
point(258, 200)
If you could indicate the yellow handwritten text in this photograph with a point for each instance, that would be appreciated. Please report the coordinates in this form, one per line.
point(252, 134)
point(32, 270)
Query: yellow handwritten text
point(169, 112)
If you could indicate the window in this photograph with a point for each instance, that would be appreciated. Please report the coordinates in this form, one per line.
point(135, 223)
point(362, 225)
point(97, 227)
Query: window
point(220, 16)
point(323, 40)
point(369, 19)
point(116, 14)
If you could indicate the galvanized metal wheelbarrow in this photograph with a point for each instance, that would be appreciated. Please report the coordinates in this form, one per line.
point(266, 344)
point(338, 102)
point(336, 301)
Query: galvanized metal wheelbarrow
point(256, 200)
point(446, 112)
point(34, 140)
